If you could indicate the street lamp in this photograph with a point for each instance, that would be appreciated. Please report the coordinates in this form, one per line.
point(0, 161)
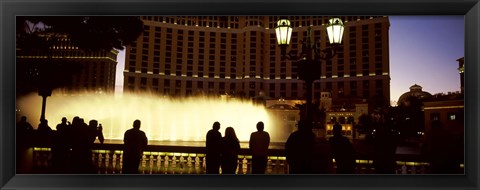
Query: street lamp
point(310, 56)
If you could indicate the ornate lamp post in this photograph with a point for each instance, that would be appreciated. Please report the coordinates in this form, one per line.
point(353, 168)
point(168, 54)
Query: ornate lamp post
point(311, 55)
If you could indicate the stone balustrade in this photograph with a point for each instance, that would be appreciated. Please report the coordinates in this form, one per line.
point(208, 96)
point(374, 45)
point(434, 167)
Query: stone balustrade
point(158, 159)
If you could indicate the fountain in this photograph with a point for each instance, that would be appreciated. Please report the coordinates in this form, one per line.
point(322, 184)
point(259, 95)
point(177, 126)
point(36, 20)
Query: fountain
point(163, 118)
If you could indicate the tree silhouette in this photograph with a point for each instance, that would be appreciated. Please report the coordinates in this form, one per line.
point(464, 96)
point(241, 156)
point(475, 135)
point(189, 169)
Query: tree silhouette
point(38, 35)
point(91, 33)
point(413, 117)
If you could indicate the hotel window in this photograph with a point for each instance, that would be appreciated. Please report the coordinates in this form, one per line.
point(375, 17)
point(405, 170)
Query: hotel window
point(365, 73)
point(352, 56)
point(365, 66)
point(272, 75)
point(353, 85)
point(131, 80)
point(178, 83)
point(143, 81)
point(353, 40)
point(294, 86)
point(329, 68)
point(452, 116)
point(328, 86)
point(435, 116)
point(378, 84)
point(364, 27)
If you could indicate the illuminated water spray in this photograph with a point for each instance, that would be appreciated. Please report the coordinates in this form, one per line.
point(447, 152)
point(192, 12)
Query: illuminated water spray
point(166, 119)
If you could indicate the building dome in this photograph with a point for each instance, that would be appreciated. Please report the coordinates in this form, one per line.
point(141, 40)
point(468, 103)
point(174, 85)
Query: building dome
point(415, 91)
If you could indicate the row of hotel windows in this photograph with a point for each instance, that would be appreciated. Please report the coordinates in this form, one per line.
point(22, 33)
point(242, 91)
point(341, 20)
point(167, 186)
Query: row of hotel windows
point(90, 70)
point(248, 93)
point(212, 50)
point(69, 53)
point(435, 117)
point(340, 86)
point(233, 21)
point(222, 71)
point(253, 36)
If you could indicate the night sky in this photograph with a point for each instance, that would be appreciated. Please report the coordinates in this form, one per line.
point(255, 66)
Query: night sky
point(423, 51)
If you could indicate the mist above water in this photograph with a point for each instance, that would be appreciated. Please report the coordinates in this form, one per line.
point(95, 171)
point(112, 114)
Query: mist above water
point(165, 119)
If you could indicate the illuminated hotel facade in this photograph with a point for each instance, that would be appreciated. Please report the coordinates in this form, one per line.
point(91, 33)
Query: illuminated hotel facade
point(97, 68)
point(183, 56)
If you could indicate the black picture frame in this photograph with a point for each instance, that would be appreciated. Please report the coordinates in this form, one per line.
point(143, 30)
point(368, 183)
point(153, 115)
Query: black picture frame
point(10, 9)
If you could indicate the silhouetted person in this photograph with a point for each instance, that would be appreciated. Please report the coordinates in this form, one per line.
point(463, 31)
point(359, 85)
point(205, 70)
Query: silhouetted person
point(100, 134)
point(322, 159)
point(342, 151)
point(24, 132)
point(442, 151)
point(43, 128)
point(23, 127)
point(95, 131)
point(258, 144)
point(135, 141)
point(213, 149)
point(44, 133)
point(61, 148)
point(299, 149)
point(384, 150)
point(230, 150)
point(74, 140)
point(81, 147)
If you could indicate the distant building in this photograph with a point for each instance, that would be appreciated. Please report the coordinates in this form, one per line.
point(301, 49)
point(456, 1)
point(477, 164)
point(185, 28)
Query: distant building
point(285, 115)
point(447, 114)
point(461, 70)
point(415, 92)
point(348, 118)
point(213, 55)
point(447, 108)
point(97, 72)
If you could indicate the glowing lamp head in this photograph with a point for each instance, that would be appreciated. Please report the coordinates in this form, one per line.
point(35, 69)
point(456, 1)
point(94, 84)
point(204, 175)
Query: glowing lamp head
point(284, 32)
point(335, 30)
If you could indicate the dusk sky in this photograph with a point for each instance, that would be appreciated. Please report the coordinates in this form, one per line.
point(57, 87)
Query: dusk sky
point(423, 51)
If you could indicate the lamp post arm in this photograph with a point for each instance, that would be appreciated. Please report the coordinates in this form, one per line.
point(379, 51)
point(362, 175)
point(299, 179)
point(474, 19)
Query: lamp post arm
point(326, 54)
point(292, 55)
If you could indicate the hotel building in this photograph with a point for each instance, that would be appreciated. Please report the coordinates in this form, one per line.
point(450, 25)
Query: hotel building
point(97, 68)
point(182, 56)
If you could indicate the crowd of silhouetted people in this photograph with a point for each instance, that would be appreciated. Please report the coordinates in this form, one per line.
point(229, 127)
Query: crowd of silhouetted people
point(222, 152)
point(70, 142)
point(71, 145)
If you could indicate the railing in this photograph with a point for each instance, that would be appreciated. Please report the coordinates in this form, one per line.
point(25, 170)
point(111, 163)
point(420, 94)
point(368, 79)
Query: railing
point(157, 159)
